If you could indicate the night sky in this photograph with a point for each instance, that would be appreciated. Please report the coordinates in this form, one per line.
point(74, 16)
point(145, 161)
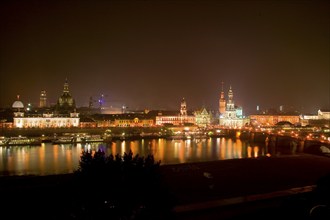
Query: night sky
point(151, 54)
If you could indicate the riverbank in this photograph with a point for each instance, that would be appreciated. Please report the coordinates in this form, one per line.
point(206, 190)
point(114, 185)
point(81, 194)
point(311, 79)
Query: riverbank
point(194, 189)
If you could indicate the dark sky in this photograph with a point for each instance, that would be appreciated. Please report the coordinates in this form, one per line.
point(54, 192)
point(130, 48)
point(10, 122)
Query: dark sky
point(151, 54)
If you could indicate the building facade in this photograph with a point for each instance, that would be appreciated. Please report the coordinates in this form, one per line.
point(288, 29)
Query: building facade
point(271, 120)
point(43, 99)
point(322, 119)
point(21, 119)
point(233, 116)
point(45, 121)
point(65, 103)
point(202, 118)
point(135, 122)
point(222, 102)
point(181, 119)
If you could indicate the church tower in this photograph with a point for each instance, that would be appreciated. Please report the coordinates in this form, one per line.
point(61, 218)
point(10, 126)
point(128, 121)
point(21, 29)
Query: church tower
point(43, 99)
point(66, 103)
point(183, 110)
point(230, 107)
point(222, 101)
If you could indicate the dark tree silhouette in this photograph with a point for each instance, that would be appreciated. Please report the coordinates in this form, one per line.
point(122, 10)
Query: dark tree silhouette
point(120, 187)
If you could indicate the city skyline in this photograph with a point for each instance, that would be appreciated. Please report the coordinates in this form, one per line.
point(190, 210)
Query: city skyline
point(151, 54)
point(99, 102)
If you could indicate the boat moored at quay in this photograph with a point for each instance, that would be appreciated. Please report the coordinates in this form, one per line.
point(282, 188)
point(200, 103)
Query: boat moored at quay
point(19, 141)
point(72, 136)
point(77, 138)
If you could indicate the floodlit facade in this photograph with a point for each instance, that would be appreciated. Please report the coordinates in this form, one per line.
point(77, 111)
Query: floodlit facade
point(321, 119)
point(222, 102)
point(45, 121)
point(180, 119)
point(43, 99)
point(135, 122)
point(203, 118)
point(65, 103)
point(271, 120)
point(233, 116)
point(323, 114)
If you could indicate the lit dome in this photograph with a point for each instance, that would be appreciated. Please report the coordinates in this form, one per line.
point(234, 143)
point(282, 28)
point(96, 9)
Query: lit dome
point(18, 104)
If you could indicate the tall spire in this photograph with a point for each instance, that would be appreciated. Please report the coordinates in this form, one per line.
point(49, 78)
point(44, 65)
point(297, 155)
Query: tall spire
point(222, 96)
point(230, 104)
point(230, 94)
point(65, 102)
point(66, 86)
point(222, 101)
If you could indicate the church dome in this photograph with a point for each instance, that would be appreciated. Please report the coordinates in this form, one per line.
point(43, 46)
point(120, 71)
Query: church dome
point(17, 104)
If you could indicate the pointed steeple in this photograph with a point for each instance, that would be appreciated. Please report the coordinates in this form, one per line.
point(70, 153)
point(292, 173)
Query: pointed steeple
point(230, 104)
point(65, 102)
point(222, 101)
point(66, 86)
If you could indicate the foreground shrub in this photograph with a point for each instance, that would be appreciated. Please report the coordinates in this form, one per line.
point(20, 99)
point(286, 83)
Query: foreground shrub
point(120, 186)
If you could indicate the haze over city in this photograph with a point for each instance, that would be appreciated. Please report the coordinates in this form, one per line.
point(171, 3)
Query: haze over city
point(151, 54)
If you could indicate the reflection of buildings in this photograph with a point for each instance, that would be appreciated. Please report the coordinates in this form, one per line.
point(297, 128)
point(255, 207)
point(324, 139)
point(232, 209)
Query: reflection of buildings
point(180, 119)
point(232, 116)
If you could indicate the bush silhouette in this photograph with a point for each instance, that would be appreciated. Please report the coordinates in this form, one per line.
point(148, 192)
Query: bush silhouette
point(120, 186)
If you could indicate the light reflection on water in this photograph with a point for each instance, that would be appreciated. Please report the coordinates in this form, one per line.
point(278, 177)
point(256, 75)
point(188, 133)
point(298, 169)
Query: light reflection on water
point(50, 159)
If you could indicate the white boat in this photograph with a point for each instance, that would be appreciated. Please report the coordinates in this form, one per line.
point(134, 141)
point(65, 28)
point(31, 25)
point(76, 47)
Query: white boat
point(63, 140)
point(77, 139)
point(20, 140)
point(92, 138)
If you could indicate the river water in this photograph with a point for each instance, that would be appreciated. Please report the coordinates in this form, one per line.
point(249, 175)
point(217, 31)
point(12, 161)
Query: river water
point(49, 159)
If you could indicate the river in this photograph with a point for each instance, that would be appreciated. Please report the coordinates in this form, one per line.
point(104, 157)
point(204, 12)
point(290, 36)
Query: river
point(49, 159)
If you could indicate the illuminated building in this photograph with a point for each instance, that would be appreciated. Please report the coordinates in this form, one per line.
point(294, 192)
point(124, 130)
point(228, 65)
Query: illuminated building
point(118, 120)
point(133, 122)
point(46, 120)
point(180, 119)
point(18, 105)
point(233, 116)
point(65, 103)
point(43, 99)
point(322, 119)
point(202, 117)
point(323, 114)
point(183, 109)
point(222, 101)
point(272, 119)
